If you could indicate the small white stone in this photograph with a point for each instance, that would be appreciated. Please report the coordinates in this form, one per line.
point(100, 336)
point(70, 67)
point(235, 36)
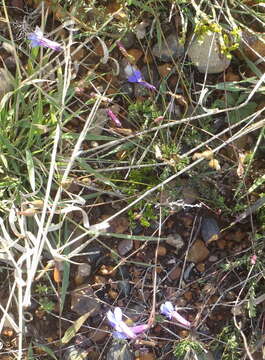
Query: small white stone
point(205, 54)
point(84, 270)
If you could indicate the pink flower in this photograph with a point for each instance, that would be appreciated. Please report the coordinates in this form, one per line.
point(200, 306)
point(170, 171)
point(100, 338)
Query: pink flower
point(114, 118)
point(253, 259)
point(123, 331)
point(168, 310)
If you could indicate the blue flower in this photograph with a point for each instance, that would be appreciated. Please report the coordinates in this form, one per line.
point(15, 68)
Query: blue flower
point(37, 39)
point(123, 331)
point(168, 310)
point(137, 77)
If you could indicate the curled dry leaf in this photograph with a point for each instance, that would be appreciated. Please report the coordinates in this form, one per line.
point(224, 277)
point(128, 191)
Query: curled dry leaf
point(240, 167)
point(28, 212)
point(215, 164)
point(207, 154)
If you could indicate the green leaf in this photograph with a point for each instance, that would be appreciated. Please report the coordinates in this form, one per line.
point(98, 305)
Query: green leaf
point(31, 171)
point(65, 282)
point(72, 330)
point(47, 350)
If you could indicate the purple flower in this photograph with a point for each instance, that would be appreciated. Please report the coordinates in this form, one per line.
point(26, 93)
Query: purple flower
point(114, 118)
point(137, 77)
point(168, 310)
point(123, 331)
point(37, 39)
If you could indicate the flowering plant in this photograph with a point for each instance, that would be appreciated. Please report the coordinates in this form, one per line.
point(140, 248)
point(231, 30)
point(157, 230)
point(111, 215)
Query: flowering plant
point(37, 39)
point(114, 118)
point(137, 77)
point(123, 331)
point(170, 312)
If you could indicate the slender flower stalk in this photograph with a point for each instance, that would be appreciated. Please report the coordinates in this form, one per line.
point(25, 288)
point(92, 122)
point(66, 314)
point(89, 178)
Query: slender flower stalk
point(124, 52)
point(114, 118)
point(37, 39)
point(123, 331)
point(170, 312)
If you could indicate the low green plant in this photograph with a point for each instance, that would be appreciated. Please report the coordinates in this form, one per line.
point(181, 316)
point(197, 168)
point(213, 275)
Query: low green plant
point(230, 339)
point(143, 113)
point(188, 346)
point(46, 304)
point(234, 99)
point(144, 212)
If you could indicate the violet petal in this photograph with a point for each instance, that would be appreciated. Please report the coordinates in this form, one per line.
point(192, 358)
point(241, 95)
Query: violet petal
point(166, 309)
point(147, 85)
point(180, 319)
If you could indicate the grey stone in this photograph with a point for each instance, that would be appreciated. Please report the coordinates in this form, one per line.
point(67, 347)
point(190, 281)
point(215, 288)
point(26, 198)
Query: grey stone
point(119, 351)
point(75, 353)
point(84, 270)
point(205, 54)
point(170, 48)
point(125, 246)
point(209, 229)
point(176, 241)
point(84, 300)
point(127, 89)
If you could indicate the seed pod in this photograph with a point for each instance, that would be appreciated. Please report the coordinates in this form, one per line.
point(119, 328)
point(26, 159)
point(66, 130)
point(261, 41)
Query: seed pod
point(37, 204)
point(28, 212)
point(207, 154)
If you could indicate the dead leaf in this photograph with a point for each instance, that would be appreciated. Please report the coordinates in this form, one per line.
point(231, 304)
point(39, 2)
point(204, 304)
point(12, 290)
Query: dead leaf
point(240, 167)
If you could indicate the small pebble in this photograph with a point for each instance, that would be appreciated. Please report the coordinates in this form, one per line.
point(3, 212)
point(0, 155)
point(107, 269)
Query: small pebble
point(183, 333)
point(113, 294)
point(125, 246)
point(168, 49)
point(135, 54)
point(99, 334)
point(188, 295)
point(221, 244)
point(146, 356)
point(84, 300)
point(198, 252)
point(213, 258)
point(119, 351)
point(200, 267)
point(84, 269)
point(107, 270)
point(175, 241)
point(175, 273)
point(209, 229)
point(164, 69)
point(161, 251)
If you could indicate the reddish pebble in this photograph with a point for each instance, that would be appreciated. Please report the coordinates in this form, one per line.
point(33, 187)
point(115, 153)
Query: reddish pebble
point(174, 273)
point(200, 267)
point(161, 251)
